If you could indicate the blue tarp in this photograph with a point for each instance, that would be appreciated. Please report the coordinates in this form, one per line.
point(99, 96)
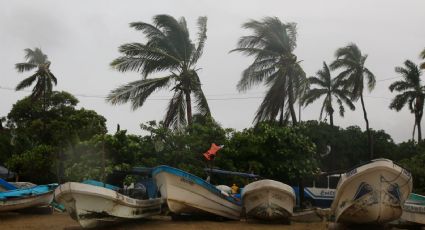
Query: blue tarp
point(100, 184)
point(6, 185)
point(37, 190)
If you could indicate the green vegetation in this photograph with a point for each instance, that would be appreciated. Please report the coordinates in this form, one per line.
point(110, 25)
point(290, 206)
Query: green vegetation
point(46, 138)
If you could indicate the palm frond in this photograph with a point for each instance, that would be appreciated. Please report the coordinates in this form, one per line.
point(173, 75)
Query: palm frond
point(145, 54)
point(255, 51)
point(137, 91)
point(176, 111)
point(400, 100)
point(341, 107)
point(27, 82)
point(317, 81)
point(344, 96)
point(52, 77)
point(177, 33)
point(200, 99)
point(399, 86)
point(22, 67)
point(312, 95)
point(371, 81)
point(202, 37)
point(251, 76)
point(422, 55)
point(273, 101)
point(35, 56)
point(151, 32)
point(325, 102)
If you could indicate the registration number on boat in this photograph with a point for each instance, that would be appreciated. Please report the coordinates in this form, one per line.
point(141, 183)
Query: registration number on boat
point(352, 172)
point(186, 180)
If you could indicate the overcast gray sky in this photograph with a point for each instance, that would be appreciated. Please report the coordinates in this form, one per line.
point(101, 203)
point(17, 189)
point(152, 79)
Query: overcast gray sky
point(81, 38)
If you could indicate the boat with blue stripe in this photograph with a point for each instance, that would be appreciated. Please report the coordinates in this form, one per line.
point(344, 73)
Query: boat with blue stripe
point(186, 193)
point(372, 193)
point(15, 198)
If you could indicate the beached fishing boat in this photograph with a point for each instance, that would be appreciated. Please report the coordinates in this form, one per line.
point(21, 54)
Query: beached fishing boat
point(93, 204)
point(189, 194)
point(372, 193)
point(20, 198)
point(268, 200)
point(414, 209)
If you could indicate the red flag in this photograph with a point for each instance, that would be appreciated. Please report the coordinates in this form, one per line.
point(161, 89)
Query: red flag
point(210, 154)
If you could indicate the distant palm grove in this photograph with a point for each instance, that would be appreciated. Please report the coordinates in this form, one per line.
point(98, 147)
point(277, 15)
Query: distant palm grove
point(46, 138)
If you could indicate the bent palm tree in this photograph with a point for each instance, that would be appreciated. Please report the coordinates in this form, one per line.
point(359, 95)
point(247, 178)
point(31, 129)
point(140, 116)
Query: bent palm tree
point(43, 77)
point(423, 57)
point(353, 76)
point(272, 45)
point(331, 88)
point(412, 92)
point(168, 48)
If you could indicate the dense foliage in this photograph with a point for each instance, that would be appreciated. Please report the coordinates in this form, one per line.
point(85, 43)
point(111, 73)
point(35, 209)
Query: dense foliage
point(43, 130)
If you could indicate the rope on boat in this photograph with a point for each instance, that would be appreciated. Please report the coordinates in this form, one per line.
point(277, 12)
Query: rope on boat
point(397, 177)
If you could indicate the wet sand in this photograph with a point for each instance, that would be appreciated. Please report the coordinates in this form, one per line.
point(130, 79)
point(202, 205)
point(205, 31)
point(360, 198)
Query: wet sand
point(62, 221)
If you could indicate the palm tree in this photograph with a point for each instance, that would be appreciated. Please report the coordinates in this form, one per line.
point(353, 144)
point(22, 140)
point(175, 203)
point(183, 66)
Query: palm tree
point(43, 77)
point(272, 44)
point(168, 48)
point(412, 92)
point(422, 55)
point(353, 76)
point(330, 88)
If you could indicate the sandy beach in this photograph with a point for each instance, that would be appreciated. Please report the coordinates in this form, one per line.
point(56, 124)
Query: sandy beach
point(62, 221)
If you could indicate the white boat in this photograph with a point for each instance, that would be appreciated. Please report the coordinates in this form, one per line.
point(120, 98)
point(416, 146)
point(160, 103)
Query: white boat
point(414, 209)
point(373, 193)
point(27, 200)
point(268, 200)
point(93, 206)
point(189, 194)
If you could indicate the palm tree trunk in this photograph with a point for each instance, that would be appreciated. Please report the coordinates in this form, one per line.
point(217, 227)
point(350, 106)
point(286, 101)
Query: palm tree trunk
point(188, 107)
point(281, 117)
point(331, 117)
point(414, 128)
point(291, 103)
point(299, 112)
point(369, 137)
point(418, 118)
point(282, 111)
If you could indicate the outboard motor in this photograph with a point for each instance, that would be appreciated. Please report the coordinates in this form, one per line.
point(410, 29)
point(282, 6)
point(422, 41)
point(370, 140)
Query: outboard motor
point(138, 192)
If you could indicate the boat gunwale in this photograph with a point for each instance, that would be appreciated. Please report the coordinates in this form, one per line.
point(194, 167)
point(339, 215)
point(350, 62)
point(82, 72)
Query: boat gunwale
point(69, 190)
point(195, 179)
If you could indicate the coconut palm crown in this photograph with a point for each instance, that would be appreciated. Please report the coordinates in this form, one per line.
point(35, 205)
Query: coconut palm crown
point(412, 93)
point(353, 76)
point(168, 48)
point(272, 43)
point(330, 88)
point(44, 78)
